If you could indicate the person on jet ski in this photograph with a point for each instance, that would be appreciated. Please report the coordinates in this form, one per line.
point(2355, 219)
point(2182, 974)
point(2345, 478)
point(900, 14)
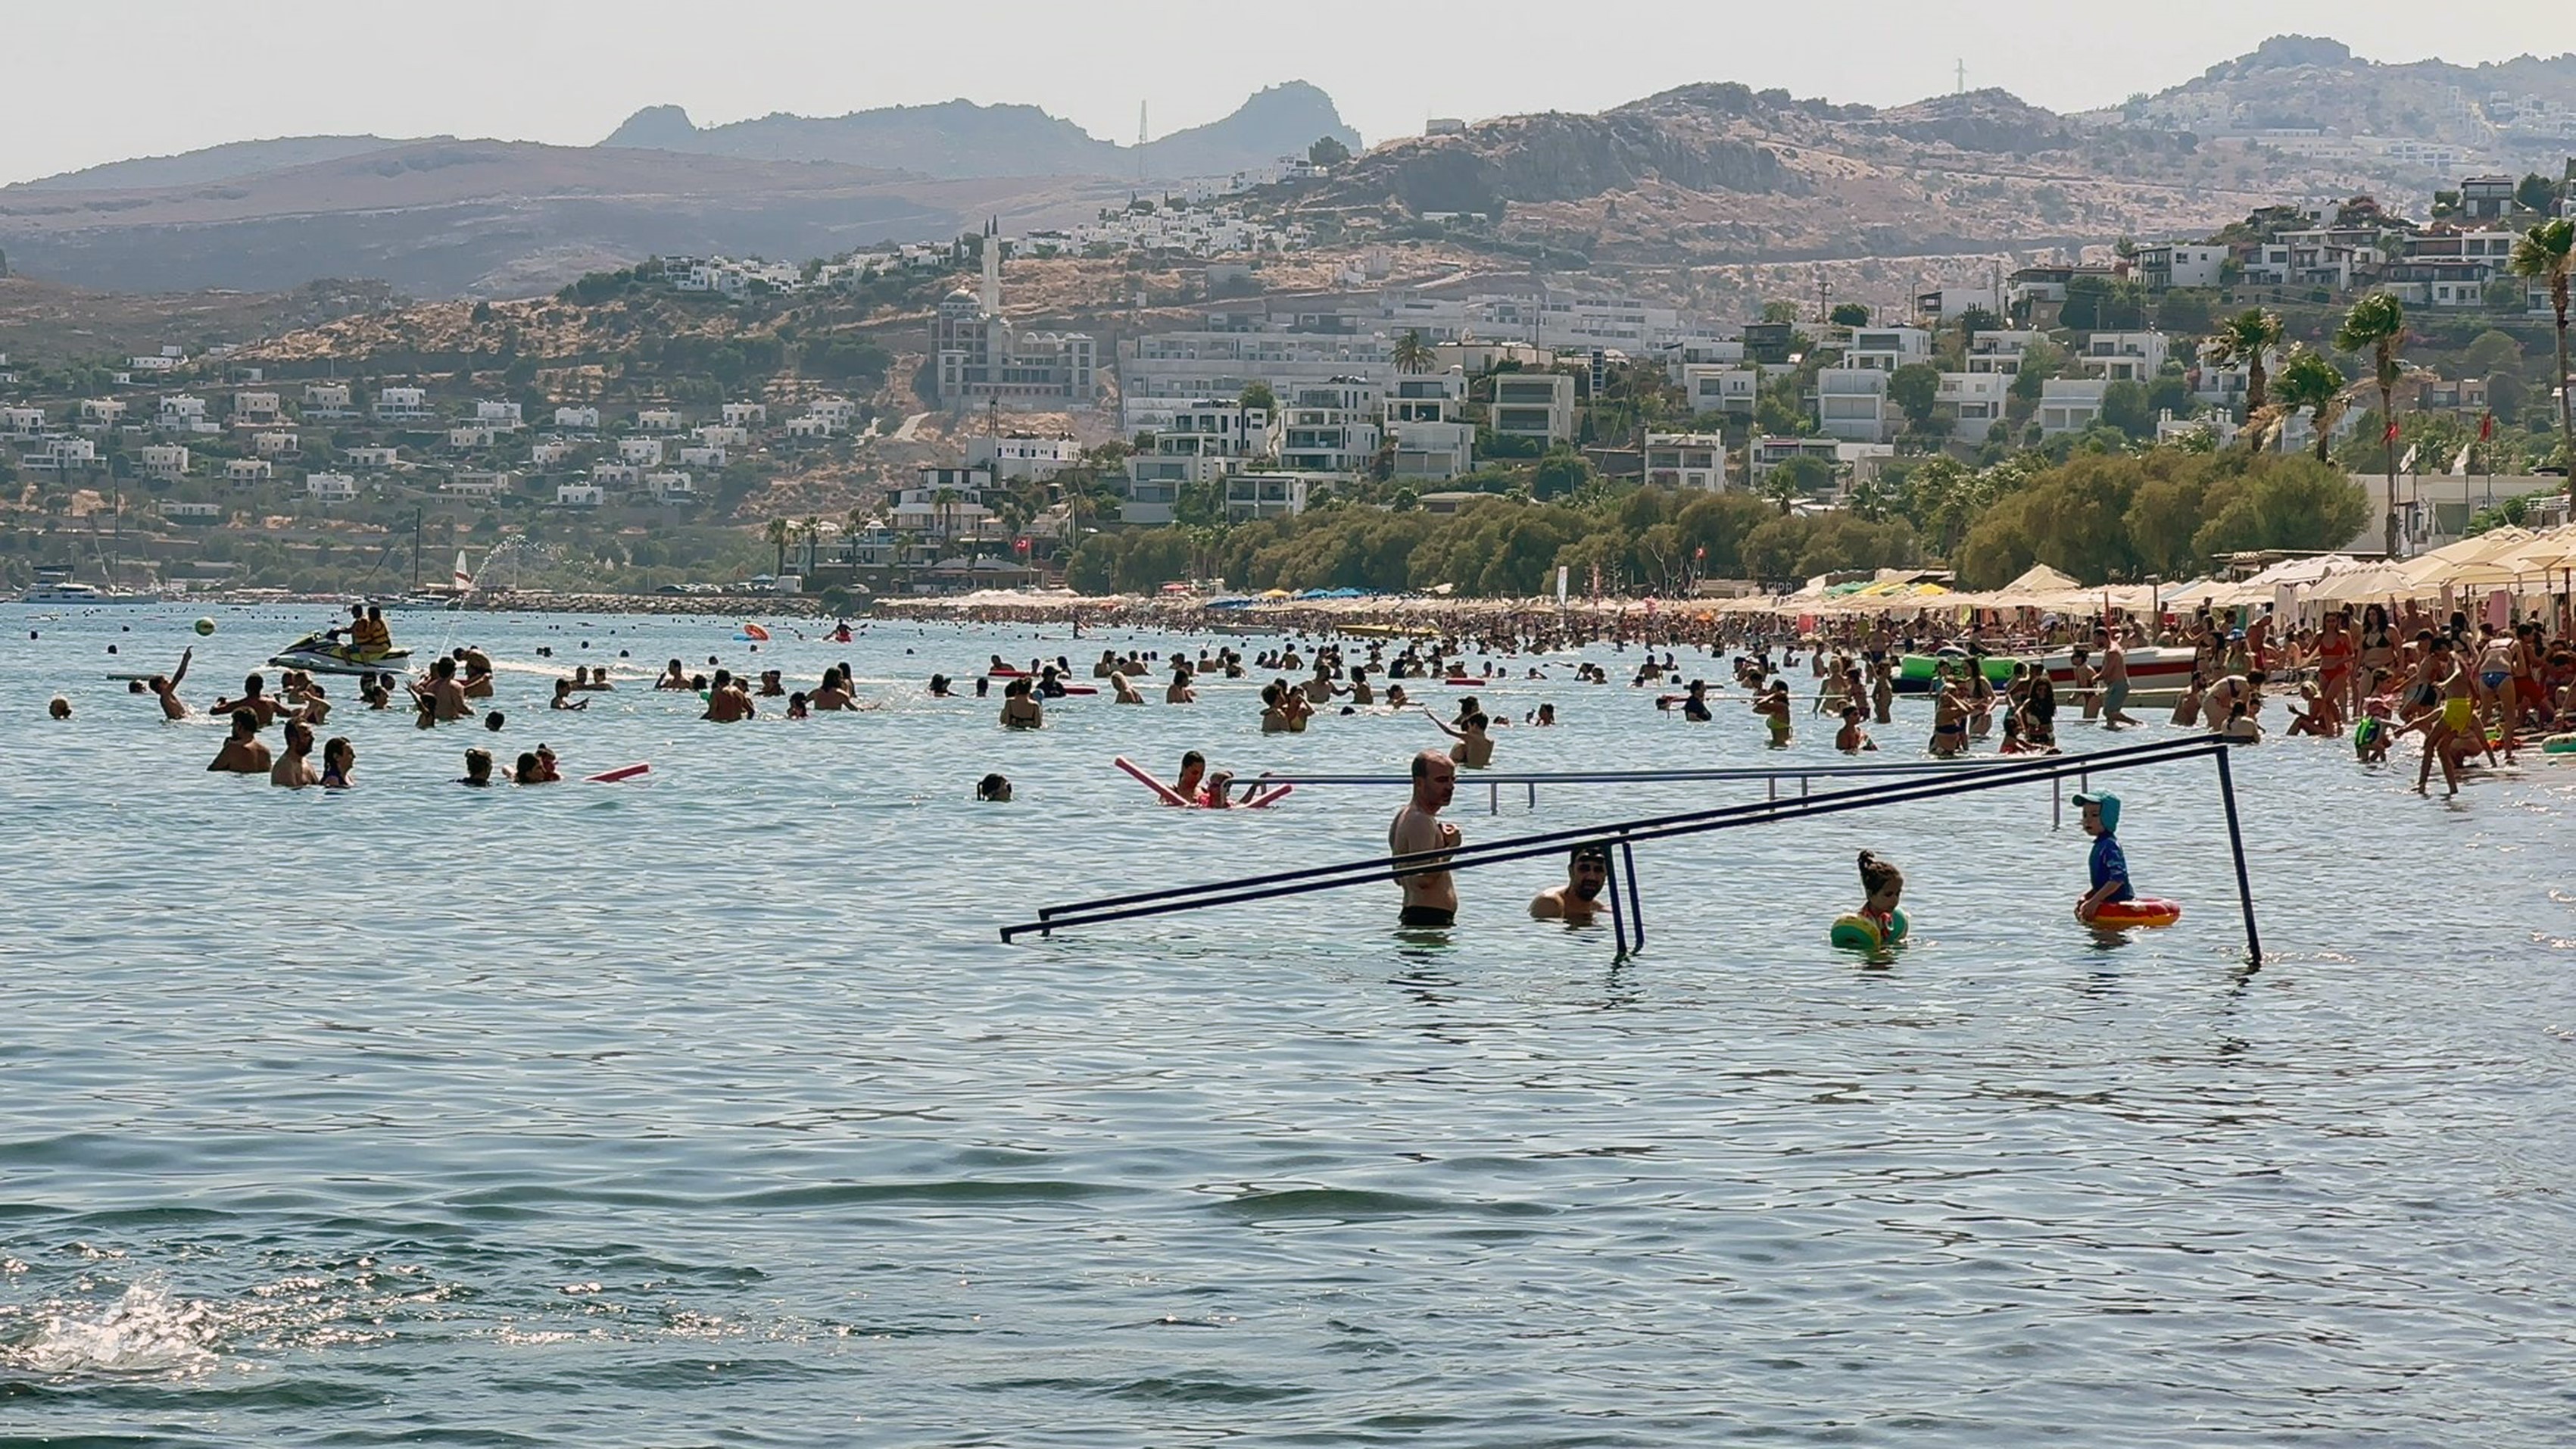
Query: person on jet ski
point(367, 635)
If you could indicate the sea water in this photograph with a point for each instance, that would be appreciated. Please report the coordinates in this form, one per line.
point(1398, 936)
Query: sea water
point(711, 1108)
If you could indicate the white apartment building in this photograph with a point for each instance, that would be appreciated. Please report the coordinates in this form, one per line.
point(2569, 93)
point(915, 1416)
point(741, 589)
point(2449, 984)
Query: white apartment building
point(945, 504)
point(1250, 496)
point(165, 460)
point(616, 475)
point(2125, 356)
point(402, 402)
point(100, 413)
point(549, 452)
point(1976, 401)
point(331, 487)
point(1852, 405)
point(723, 435)
point(1942, 304)
point(256, 409)
point(1686, 460)
point(1534, 405)
point(277, 445)
point(579, 495)
point(1023, 455)
point(839, 411)
point(2001, 351)
point(582, 420)
point(1714, 389)
point(658, 420)
point(181, 413)
point(1423, 418)
point(2168, 265)
point(500, 417)
point(702, 457)
point(326, 400)
point(812, 425)
point(466, 437)
point(1200, 443)
point(671, 487)
point(63, 455)
point(646, 452)
point(1332, 427)
point(178, 512)
point(745, 414)
point(1885, 349)
point(374, 457)
point(2070, 404)
point(22, 422)
point(476, 485)
point(167, 360)
point(248, 472)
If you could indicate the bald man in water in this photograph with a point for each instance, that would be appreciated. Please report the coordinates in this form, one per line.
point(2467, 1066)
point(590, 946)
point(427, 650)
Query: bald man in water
point(1430, 891)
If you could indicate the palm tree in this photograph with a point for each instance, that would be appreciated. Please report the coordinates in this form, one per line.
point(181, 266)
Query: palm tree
point(2547, 253)
point(1412, 354)
point(777, 532)
point(813, 537)
point(2377, 325)
point(2311, 382)
point(2248, 337)
point(1781, 486)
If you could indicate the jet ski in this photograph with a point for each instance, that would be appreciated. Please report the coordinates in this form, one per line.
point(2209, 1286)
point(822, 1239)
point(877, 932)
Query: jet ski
point(322, 654)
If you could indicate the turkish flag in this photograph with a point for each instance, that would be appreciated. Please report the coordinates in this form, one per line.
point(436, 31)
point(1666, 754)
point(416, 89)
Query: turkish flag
point(2392, 432)
point(2486, 427)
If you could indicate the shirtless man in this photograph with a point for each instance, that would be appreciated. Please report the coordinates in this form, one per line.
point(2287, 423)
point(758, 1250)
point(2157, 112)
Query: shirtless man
point(1430, 893)
point(242, 753)
point(1180, 691)
point(1587, 874)
point(295, 769)
point(442, 698)
point(255, 698)
point(673, 677)
point(728, 702)
point(2115, 679)
point(167, 689)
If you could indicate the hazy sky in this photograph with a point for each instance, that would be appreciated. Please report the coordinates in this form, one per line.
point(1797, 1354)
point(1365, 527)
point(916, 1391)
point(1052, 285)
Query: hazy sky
point(87, 82)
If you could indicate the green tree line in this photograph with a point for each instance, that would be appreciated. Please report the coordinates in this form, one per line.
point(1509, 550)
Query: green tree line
point(2097, 516)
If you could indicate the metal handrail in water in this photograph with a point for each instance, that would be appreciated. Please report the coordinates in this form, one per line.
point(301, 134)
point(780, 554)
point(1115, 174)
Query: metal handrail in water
point(2024, 770)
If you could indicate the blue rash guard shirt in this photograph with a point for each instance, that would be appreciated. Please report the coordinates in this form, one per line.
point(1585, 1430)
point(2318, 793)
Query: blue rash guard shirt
point(2110, 865)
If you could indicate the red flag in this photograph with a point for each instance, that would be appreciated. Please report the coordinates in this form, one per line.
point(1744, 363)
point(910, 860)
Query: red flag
point(2486, 428)
point(1700, 552)
point(2392, 432)
point(1021, 544)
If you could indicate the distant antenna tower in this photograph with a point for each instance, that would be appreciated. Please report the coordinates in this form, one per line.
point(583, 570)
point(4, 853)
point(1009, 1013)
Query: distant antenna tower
point(1140, 142)
point(1963, 75)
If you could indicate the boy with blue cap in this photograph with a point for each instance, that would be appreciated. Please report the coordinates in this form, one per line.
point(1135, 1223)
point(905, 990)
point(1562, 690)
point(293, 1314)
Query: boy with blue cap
point(2110, 867)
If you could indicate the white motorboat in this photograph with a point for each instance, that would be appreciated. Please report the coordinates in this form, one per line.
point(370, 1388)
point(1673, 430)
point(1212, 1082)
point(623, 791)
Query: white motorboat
point(61, 592)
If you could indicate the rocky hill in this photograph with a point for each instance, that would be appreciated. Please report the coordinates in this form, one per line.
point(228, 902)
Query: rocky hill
point(963, 139)
point(1721, 174)
point(226, 162)
point(2300, 82)
point(494, 217)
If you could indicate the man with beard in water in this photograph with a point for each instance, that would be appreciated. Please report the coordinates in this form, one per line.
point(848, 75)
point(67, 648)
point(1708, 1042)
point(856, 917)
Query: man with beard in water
point(1587, 874)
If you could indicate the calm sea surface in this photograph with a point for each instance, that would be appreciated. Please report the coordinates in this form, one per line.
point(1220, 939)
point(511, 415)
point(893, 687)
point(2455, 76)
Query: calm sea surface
point(712, 1110)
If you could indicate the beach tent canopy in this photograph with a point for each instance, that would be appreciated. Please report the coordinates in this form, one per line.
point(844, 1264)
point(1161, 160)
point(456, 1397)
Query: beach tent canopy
point(2040, 579)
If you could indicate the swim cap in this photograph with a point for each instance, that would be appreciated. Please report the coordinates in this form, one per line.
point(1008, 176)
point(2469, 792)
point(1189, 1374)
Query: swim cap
point(2110, 805)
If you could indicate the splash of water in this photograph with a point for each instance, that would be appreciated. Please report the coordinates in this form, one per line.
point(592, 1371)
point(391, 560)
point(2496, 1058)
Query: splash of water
point(146, 1332)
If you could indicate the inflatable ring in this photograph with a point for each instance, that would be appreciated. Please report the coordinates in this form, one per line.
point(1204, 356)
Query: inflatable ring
point(2559, 745)
point(2137, 911)
point(1860, 933)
